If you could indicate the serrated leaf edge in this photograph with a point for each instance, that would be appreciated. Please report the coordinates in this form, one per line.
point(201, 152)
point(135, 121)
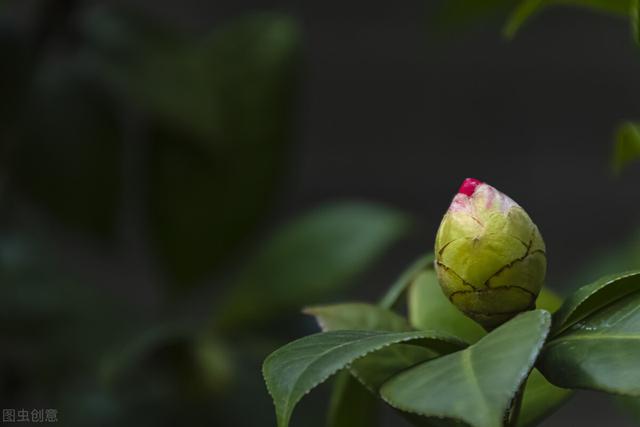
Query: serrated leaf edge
point(417, 335)
point(566, 323)
point(544, 320)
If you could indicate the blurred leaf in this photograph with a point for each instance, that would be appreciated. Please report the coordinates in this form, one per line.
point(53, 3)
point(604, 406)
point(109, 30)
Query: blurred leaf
point(634, 11)
point(69, 157)
point(396, 290)
point(214, 364)
point(541, 399)
point(207, 195)
point(293, 370)
point(624, 256)
point(548, 300)
point(525, 10)
point(137, 348)
point(220, 114)
point(351, 404)
point(600, 351)
point(309, 258)
point(452, 15)
point(494, 368)
point(357, 316)
point(53, 329)
point(594, 297)
point(529, 8)
point(429, 308)
point(627, 148)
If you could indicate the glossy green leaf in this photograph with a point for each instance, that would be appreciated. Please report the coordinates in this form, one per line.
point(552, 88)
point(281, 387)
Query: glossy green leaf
point(541, 399)
point(527, 9)
point(593, 297)
point(429, 308)
point(627, 147)
point(313, 256)
point(396, 290)
point(477, 384)
point(293, 370)
point(357, 316)
point(351, 404)
point(600, 351)
point(374, 369)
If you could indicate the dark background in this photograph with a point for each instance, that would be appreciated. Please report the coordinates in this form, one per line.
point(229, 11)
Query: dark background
point(391, 109)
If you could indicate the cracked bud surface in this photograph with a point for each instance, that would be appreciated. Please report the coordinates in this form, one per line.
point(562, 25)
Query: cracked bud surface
point(490, 256)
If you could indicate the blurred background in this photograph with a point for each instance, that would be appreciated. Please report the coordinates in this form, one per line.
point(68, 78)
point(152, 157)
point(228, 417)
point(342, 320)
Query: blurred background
point(178, 179)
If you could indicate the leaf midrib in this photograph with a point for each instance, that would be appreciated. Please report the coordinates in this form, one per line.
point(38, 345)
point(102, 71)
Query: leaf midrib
point(467, 363)
point(594, 337)
point(316, 359)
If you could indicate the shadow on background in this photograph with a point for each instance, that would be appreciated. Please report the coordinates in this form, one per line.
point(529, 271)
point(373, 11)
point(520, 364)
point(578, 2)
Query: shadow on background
point(178, 179)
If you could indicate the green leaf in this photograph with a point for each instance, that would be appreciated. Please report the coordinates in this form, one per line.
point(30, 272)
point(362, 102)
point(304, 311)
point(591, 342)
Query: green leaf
point(548, 300)
point(529, 8)
point(293, 370)
point(351, 404)
point(309, 258)
point(457, 15)
point(357, 316)
point(623, 256)
point(374, 369)
point(396, 290)
point(429, 308)
point(541, 399)
point(525, 10)
point(600, 351)
point(593, 297)
point(634, 12)
point(475, 385)
point(219, 111)
point(627, 148)
point(136, 349)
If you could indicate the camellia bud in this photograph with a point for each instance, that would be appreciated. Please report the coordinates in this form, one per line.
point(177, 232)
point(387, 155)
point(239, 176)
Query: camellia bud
point(490, 257)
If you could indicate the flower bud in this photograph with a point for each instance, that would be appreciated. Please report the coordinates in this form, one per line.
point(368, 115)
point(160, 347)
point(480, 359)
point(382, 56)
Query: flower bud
point(490, 257)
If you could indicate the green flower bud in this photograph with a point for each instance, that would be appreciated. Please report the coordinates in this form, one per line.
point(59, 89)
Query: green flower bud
point(490, 257)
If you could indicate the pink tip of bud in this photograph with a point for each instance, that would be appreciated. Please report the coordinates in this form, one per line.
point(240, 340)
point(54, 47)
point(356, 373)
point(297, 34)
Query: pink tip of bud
point(468, 187)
